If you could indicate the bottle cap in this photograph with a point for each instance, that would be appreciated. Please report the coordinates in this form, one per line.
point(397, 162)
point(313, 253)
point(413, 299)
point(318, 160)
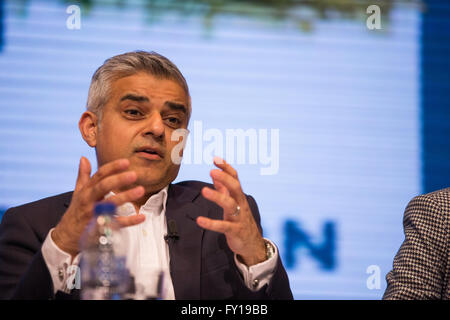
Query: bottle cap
point(107, 208)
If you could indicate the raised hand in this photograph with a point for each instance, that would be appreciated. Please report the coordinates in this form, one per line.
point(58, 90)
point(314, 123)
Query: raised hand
point(238, 225)
point(88, 191)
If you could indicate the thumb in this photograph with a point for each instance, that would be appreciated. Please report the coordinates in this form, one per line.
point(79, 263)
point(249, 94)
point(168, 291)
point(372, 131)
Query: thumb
point(84, 173)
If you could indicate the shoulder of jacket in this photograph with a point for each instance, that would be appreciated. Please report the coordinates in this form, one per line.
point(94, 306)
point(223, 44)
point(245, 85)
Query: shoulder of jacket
point(60, 201)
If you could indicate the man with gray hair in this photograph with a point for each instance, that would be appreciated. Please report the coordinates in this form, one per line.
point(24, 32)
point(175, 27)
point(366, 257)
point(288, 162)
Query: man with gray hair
point(136, 102)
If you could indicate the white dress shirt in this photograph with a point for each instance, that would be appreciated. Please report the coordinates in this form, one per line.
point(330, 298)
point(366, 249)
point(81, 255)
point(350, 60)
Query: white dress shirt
point(147, 252)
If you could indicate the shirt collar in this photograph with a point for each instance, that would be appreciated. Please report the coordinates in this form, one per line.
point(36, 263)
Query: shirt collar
point(156, 203)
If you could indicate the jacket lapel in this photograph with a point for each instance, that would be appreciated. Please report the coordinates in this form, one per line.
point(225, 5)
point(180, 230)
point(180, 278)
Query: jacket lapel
point(185, 253)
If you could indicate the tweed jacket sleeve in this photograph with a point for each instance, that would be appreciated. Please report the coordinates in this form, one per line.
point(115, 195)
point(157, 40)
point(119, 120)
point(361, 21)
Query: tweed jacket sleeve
point(421, 266)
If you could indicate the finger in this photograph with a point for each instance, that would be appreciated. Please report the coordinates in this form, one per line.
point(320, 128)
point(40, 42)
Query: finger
point(127, 196)
point(225, 166)
point(220, 187)
point(226, 202)
point(115, 182)
point(130, 220)
point(233, 186)
point(109, 169)
point(215, 225)
point(84, 173)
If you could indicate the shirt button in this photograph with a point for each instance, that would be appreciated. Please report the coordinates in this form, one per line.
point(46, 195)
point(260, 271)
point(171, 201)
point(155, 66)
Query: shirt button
point(255, 283)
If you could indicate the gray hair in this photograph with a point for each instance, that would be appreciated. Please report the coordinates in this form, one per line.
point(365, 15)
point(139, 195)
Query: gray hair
point(127, 64)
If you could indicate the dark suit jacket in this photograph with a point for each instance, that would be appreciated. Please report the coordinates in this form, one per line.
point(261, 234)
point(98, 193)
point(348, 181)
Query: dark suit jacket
point(422, 264)
point(201, 264)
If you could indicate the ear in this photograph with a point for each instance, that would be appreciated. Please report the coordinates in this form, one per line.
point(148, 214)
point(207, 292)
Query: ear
point(88, 125)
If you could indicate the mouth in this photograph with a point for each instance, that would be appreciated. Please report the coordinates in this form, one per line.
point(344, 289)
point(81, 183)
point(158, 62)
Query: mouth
point(150, 153)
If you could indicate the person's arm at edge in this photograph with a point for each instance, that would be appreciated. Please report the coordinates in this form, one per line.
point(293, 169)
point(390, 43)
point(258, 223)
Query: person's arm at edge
point(418, 266)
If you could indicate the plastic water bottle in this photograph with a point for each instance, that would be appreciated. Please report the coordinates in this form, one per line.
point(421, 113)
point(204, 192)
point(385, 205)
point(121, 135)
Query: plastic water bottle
point(104, 275)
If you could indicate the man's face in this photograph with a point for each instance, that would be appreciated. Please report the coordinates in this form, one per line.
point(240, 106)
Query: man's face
point(137, 123)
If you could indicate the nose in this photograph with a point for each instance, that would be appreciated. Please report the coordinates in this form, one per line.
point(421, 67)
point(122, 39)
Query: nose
point(155, 126)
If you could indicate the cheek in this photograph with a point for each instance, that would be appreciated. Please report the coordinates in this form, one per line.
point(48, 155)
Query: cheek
point(178, 140)
point(115, 141)
point(173, 148)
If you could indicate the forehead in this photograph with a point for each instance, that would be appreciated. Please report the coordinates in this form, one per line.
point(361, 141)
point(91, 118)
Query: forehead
point(150, 86)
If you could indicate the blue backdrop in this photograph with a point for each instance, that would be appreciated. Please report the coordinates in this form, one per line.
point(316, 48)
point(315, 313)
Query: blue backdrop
point(344, 124)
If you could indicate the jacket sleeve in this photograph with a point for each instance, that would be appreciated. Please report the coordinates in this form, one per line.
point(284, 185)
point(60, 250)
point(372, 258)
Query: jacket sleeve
point(23, 271)
point(419, 266)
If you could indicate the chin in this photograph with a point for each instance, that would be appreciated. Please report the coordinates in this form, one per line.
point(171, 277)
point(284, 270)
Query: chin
point(157, 179)
point(153, 183)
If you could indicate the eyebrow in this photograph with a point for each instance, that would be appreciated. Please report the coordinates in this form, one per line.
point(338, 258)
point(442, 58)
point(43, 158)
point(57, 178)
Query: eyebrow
point(176, 106)
point(134, 97)
point(172, 105)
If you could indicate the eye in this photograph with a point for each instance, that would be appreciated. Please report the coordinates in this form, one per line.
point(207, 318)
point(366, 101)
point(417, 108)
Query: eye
point(173, 121)
point(133, 112)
